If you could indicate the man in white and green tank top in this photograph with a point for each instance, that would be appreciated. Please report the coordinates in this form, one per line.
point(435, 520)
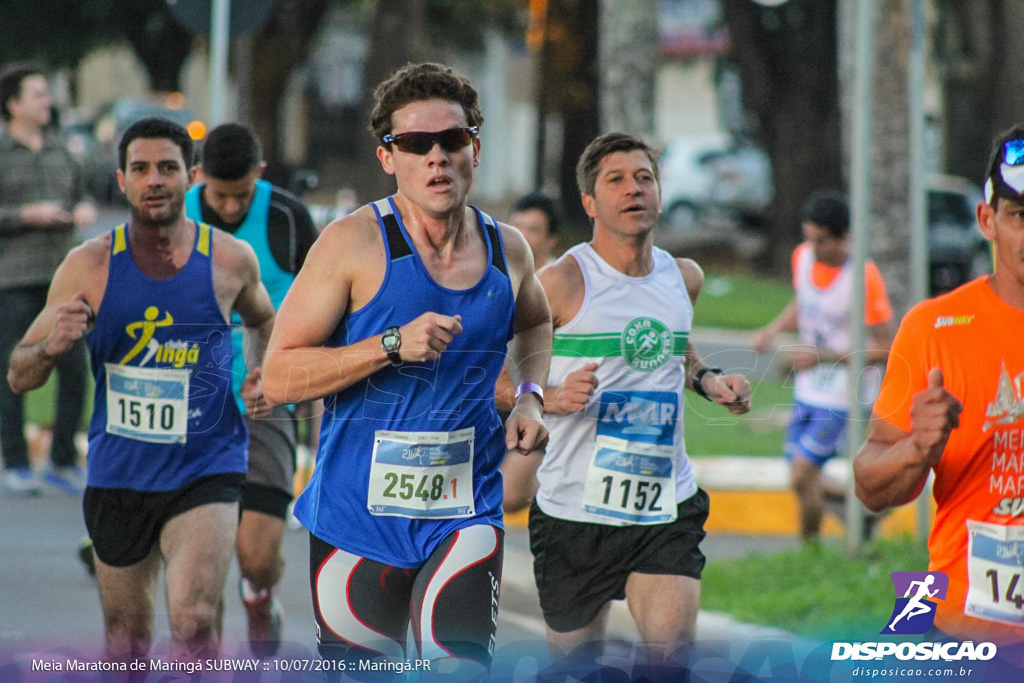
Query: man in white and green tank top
point(619, 514)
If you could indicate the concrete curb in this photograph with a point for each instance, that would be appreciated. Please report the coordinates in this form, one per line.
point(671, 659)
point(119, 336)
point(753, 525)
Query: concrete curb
point(751, 495)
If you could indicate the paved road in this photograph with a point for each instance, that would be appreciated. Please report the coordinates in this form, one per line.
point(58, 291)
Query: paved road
point(48, 604)
point(107, 216)
point(47, 599)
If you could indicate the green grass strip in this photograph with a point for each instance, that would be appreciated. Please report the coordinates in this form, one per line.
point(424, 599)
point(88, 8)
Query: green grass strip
point(817, 591)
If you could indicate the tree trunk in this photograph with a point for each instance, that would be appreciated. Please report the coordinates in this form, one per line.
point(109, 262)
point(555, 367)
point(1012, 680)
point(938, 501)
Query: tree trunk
point(979, 57)
point(281, 44)
point(573, 82)
point(398, 36)
point(629, 56)
point(787, 61)
point(160, 42)
point(889, 237)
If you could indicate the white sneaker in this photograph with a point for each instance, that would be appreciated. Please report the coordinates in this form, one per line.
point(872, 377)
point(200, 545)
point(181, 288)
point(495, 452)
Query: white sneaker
point(21, 482)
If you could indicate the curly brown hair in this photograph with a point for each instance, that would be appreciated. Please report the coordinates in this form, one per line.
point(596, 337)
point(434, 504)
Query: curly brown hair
point(415, 82)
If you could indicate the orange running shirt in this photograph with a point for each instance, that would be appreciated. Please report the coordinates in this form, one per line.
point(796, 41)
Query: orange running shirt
point(823, 301)
point(978, 535)
point(877, 308)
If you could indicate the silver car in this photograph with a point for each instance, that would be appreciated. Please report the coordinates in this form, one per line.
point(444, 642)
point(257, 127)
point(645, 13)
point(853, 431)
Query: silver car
point(712, 179)
point(957, 251)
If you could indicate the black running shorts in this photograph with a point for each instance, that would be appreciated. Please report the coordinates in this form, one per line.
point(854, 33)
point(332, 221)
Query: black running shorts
point(580, 566)
point(125, 524)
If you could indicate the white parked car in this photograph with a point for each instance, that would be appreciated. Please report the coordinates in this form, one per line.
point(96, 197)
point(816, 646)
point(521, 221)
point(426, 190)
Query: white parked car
point(714, 177)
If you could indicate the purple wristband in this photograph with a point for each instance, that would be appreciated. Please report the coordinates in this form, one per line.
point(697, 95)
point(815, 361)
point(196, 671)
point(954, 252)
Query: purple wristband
point(530, 387)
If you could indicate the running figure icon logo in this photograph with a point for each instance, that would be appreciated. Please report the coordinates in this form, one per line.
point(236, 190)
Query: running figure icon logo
point(914, 612)
point(647, 344)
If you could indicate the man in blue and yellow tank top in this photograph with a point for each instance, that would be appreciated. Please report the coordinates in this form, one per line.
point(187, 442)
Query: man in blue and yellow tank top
point(400, 319)
point(167, 445)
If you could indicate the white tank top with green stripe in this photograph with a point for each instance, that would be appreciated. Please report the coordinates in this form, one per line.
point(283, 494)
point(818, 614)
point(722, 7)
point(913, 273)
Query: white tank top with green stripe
point(622, 460)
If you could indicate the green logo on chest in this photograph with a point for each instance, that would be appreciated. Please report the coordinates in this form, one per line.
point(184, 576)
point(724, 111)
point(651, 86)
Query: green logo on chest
point(646, 344)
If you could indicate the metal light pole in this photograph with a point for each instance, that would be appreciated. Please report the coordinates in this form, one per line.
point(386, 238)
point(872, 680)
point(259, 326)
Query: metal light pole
point(918, 207)
point(860, 205)
point(918, 202)
point(220, 23)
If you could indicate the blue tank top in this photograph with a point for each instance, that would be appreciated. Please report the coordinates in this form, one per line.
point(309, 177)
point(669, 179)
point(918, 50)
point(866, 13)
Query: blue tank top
point(392, 470)
point(275, 278)
point(161, 355)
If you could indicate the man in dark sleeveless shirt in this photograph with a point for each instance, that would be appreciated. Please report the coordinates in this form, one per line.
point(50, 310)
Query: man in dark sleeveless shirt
point(233, 197)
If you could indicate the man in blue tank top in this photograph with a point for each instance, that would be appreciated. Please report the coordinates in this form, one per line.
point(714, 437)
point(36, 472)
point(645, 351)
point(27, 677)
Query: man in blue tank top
point(400, 319)
point(618, 513)
point(280, 230)
point(167, 445)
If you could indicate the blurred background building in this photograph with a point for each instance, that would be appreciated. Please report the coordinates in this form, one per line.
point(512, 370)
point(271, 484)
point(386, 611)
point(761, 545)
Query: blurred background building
point(747, 97)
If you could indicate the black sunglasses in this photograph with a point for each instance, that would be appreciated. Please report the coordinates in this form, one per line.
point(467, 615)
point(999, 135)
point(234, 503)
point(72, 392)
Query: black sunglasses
point(452, 140)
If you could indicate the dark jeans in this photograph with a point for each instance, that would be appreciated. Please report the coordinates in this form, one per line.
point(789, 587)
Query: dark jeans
point(20, 306)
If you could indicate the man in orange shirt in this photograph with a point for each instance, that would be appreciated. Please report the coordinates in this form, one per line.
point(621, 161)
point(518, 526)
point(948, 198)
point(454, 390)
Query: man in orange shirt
point(820, 312)
point(951, 403)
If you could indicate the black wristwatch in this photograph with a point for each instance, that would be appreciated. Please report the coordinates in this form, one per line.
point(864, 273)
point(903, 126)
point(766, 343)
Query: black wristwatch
point(699, 375)
point(390, 342)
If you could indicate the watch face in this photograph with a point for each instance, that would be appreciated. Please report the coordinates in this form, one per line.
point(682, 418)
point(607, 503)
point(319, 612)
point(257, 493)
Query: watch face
point(390, 340)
